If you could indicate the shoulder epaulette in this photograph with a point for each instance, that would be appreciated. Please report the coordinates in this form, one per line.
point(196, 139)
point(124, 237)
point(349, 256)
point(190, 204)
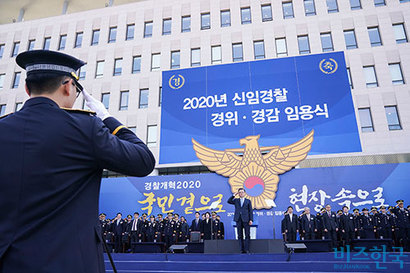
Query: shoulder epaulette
point(6, 115)
point(78, 111)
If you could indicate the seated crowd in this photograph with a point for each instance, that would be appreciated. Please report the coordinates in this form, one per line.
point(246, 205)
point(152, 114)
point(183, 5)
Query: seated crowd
point(123, 233)
point(341, 227)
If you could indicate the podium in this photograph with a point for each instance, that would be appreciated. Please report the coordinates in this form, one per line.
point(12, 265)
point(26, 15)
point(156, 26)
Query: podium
point(253, 230)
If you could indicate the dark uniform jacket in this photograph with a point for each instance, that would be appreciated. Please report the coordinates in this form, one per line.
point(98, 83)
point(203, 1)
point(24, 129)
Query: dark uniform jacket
point(403, 217)
point(347, 222)
point(50, 175)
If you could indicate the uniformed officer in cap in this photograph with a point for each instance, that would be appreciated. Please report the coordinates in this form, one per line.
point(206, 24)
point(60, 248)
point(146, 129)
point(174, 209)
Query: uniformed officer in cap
point(402, 223)
point(366, 225)
point(52, 161)
point(384, 224)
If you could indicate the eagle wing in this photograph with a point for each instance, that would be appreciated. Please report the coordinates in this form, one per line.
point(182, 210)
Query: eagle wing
point(222, 162)
point(281, 159)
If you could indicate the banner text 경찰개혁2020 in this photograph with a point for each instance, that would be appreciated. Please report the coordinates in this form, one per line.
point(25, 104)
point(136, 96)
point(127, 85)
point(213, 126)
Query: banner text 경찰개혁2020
point(281, 100)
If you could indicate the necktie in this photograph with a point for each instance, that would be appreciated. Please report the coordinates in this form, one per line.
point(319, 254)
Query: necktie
point(290, 216)
point(241, 202)
point(134, 226)
point(308, 217)
point(328, 213)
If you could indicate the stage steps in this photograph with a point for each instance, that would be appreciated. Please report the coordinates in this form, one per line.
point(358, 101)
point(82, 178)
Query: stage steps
point(299, 262)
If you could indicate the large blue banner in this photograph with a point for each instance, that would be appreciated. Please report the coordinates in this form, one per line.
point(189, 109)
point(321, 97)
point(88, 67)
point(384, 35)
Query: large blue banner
point(280, 99)
point(353, 186)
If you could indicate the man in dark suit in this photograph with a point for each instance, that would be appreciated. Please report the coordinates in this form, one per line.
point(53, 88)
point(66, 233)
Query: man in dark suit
point(243, 217)
point(52, 158)
point(330, 227)
point(348, 226)
point(308, 225)
point(196, 223)
point(135, 228)
point(290, 225)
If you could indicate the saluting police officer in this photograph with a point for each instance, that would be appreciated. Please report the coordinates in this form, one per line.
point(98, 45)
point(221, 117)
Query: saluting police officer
point(402, 223)
point(384, 224)
point(52, 161)
point(367, 230)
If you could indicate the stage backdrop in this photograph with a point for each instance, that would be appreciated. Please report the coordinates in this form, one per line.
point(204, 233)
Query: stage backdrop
point(355, 186)
point(281, 99)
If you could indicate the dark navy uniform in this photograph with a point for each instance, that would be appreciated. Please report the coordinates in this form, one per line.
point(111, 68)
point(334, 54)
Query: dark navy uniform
point(329, 223)
point(402, 224)
point(151, 230)
point(385, 225)
point(169, 233)
point(50, 175)
point(366, 226)
point(348, 227)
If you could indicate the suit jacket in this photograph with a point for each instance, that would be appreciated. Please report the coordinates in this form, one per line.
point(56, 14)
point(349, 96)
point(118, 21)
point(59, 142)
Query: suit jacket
point(347, 222)
point(244, 212)
point(196, 227)
point(118, 228)
point(329, 222)
point(290, 226)
point(306, 225)
point(50, 175)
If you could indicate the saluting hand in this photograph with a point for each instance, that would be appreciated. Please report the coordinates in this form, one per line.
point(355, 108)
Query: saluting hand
point(96, 106)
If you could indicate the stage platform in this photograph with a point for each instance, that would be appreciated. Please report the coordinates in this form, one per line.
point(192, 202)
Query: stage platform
point(299, 262)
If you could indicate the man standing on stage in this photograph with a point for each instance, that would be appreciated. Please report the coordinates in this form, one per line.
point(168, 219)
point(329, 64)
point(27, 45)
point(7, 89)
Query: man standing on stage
point(330, 226)
point(243, 217)
point(52, 158)
point(290, 225)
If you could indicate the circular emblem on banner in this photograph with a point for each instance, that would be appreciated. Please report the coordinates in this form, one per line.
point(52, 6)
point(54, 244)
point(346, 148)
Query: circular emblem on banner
point(176, 81)
point(328, 66)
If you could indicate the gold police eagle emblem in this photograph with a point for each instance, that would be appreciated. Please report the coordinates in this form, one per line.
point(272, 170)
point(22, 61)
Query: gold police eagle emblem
point(250, 169)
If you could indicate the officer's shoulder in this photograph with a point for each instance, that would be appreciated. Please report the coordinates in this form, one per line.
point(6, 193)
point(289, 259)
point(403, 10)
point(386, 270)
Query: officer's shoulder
point(79, 111)
point(7, 115)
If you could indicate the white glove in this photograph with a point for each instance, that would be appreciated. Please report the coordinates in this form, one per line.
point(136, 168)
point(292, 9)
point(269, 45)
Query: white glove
point(96, 106)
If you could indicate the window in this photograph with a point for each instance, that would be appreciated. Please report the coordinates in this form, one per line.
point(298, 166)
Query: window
point(366, 120)
point(175, 59)
point(124, 100)
point(16, 47)
point(216, 54)
point(266, 13)
point(82, 72)
point(327, 43)
point(281, 48)
point(310, 8)
point(166, 26)
point(186, 24)
point(349, 76)
point(2, 77)
point(404, 1)
point(246, 15)
point(355, 4)
point(1, 50)
point(237, 52)
point(287, 8)
point(259, 49)
point(130, 32)
point(155, 61)
point(133, 129)
point(143, 102)
point(399, 33)
point(160, 96)
point(31, 44)
point(205, 21)
point(148, 29)
point(374, 36)
point(378, 3)
point(152, 135)
point(63, 40)
point(303, 42)
point(2, 109)
point(16, 80)
point(117, 67)
point(225, 18)
point(105, 99)
point(18, 106)
point(96, 37)
point(370, 76)
point(396, 74)
point(332, 6)
point(99, 71)
point(350, 39)
point(392, 118)
point(112, 36)
point(195, 57)
point(78, 39)
point(136, 64)
point(46, 44)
